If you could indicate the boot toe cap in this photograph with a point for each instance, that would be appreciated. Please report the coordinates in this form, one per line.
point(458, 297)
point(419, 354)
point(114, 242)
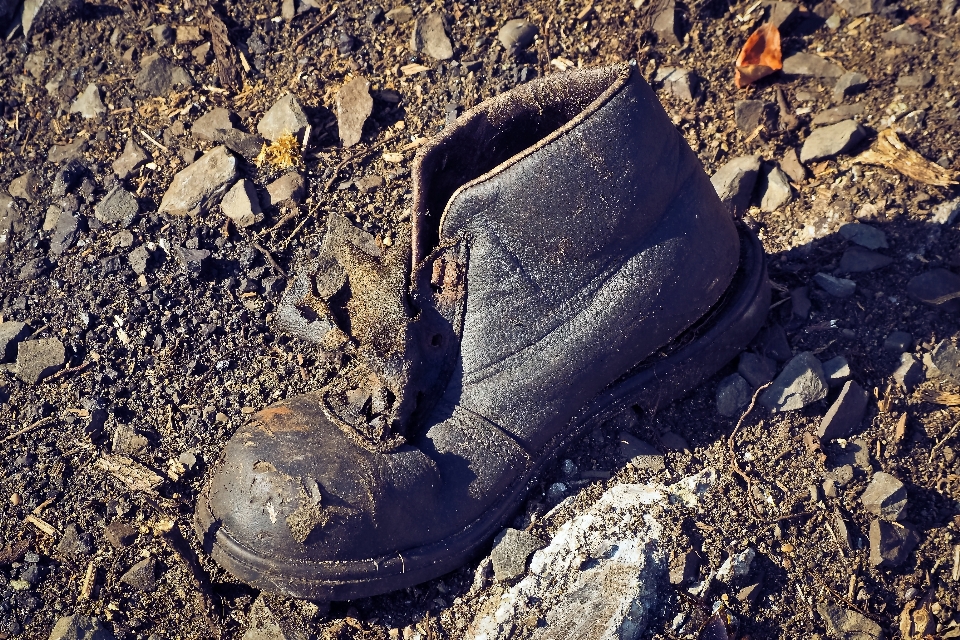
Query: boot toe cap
point(294, 488)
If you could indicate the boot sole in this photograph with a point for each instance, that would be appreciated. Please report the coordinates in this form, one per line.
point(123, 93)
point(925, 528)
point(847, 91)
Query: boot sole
point(699, 353)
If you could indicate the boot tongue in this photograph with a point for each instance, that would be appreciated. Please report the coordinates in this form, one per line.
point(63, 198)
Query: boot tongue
point(354, 300)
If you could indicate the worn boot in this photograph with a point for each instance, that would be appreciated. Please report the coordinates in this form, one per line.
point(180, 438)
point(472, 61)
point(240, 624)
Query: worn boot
point(568, 258)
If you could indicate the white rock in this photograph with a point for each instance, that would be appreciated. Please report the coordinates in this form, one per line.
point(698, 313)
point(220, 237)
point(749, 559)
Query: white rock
point(241, 204)
point(196, 188)
point(286, 116)
point(611, 597)
point(88, 104)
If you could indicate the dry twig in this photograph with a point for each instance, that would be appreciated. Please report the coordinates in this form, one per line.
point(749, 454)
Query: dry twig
point(733, 453)
point(943, 441)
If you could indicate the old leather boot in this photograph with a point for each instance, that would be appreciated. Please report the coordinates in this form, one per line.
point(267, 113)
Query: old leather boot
point(568, 258)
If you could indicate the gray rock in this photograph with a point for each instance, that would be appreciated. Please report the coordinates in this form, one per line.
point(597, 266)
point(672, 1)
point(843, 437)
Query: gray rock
point(33, 269)
point(288, 187)
point(747, 114)
point(202, 54)
point(199, 186)
point(369, 184)
point(88, 104)
point(511, 550)
point(781, 13)
point(864, 235)
point(354, 106)
point(838, 114)
point(836, 287)
point(666, 25)
point(902, 35)
point(80, 627)
point(142, 576)
point(845, 413)
point(946, 358)
point(800, 302)
point(845, 624)
point(801, 382)
point(158, 76)
point(614, 595)
point(756, 369)
point(11, 222)
point(910, 372)
point(132, 158)
point(898, 342)
point(937, 286)
point(944, 213)
point(775, 187)
point(12, 333)
point(140, 259)
point(246, 144)
point(680, 83)
point(37, 359)
point(119, 534)
point(849, 84)
point(642, 454)
point(837, 371)
point(735, 180)
point(885, 497)
point(736, 565)
point(25, 186)
point(67, 152)
point(286, 116)
point(65, 233)
point(891, 543)
point(241, 204)
point(733, 394)
point(772, 342)
point(191, 260)
point(128, 440)
point(857, 8)
point(119, 206)
point(401, 14)
point(48, 13)
point(915, 80)
point(792, 167)
point(831, 140)
point(430, 37)
point(685, 568)
point(808, 64)
point(210, 126)
point(860, 260)
point(163, 35)
point(517, 34)
point(272, 618)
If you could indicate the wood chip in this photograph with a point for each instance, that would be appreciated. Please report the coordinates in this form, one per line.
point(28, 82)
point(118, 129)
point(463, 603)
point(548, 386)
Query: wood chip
point(944, 398)
point(42, 525)
point(892, 153)
point(136, 476)
point(223, 50)
point(89, 581)
point(413, 69)
point(393, 157)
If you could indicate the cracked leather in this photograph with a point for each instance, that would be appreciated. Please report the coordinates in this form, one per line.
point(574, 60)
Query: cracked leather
point(562, 233)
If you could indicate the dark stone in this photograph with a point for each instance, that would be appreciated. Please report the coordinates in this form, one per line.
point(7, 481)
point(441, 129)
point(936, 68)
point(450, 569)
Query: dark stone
point(142, 576)
point(885, 496)
point(860, 260)
point(936, 286)
point(756, 369)
point(846, 412)
point(898, 342)
point(946, 358)
point(891, 543)
point(119, 534)
point(910, 372)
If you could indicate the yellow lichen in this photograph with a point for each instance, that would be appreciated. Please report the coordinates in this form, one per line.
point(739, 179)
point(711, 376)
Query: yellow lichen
point(282, 153)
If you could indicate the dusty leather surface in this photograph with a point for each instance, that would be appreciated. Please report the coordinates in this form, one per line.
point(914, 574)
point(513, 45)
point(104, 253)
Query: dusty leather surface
point(563, 232)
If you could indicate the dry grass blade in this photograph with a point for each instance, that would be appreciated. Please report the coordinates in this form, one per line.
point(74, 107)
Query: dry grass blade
point(944, 398)
point(891, 152)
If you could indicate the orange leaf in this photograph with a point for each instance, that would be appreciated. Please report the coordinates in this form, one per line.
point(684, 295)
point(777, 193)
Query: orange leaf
point(760, 56)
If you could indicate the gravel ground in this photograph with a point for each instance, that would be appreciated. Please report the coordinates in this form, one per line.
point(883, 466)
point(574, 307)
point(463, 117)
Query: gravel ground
point(148, 335)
